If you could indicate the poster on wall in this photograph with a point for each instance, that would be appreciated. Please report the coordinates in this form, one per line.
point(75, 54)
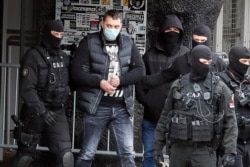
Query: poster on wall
point(81, 17)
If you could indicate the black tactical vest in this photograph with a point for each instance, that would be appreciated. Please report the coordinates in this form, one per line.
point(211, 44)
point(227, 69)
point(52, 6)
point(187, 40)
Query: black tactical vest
point(194, 115)
point(56, 91)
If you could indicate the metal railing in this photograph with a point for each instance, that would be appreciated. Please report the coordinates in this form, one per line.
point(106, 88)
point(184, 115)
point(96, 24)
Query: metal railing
point(10, 105)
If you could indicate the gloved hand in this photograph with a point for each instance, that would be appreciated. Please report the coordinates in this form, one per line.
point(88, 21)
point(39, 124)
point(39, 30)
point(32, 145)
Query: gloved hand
point(243, 121)
point(49, 117)
point(228, 160)
point(158, 156)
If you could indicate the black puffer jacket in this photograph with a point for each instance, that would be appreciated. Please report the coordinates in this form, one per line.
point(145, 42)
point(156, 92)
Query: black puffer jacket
point(91, 63)
point(155, 60)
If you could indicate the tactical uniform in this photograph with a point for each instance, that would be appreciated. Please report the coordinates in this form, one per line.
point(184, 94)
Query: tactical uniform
point(197, 117)
point(44, 89)
point(233, 76)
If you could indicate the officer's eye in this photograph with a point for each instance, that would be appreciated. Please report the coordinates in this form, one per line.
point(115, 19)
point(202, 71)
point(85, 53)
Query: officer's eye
point(245, 61)
point(205, 61)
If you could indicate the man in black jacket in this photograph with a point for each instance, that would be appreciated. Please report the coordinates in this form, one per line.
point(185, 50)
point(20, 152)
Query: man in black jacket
point(181, 66)
point(44, 89)
point(105, 67)
point(167, 47)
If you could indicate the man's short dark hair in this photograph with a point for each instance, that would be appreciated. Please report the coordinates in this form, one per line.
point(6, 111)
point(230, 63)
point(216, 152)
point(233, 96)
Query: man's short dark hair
point(115, 14)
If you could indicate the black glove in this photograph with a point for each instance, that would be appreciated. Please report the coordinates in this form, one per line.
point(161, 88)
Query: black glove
point(243, 121)
point(228, 160)
point(49, 117)
point(158, 156)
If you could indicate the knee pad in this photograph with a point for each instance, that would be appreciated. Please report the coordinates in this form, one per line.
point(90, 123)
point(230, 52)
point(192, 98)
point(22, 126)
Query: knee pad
point(23, 161)
point(68, 159)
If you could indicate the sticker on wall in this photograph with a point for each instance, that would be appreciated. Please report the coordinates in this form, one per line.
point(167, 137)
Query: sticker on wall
point(96, 2)
point(105, 2)
point(84, 1)
point(130, 29)
point(137, 17)
point(137, 4)
point(125, 2)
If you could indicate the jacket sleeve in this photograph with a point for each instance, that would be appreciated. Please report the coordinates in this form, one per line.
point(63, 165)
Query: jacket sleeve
point(141, 90)
point(28, 82)
point(229, 129)
point(165, 76)
point(80, 68)
point(165, 118)
point(136, 71)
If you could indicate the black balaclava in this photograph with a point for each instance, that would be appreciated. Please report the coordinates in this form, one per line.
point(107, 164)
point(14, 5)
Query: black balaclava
point(51, 42)
point(199, 70)
point(202, 30)
point(236, 53)
point(171, 42)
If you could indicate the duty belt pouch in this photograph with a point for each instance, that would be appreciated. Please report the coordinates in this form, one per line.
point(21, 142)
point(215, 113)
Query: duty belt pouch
point(179, 129)
point(26, 139)
point(201, 131)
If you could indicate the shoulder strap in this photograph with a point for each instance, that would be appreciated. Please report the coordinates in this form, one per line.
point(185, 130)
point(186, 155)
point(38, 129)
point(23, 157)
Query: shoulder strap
point(183, 80)
point(44, 54)
point(215, 81)
point(225, 78)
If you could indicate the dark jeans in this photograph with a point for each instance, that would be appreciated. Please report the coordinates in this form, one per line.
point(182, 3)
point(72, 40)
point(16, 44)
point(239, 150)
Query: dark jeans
point(118, 120)
point(191, 156)
point(148, 129)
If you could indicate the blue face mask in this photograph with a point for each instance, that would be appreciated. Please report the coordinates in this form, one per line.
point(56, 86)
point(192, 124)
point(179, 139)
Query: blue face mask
point(111, 34)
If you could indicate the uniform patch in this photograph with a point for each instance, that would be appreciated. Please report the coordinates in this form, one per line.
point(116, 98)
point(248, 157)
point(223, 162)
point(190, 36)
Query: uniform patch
point(25, 72)
point(231, 104)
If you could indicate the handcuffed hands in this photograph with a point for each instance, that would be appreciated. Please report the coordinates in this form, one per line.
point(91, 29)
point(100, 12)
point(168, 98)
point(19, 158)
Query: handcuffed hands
point(114, 81)
point(107, 87)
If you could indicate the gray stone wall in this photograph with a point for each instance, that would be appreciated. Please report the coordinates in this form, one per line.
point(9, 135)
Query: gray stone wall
point(191, 13)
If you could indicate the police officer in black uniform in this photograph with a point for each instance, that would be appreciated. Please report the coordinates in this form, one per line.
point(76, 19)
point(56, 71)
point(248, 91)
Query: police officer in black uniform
point(198, 116)
point(44, 89)
point(234, 76)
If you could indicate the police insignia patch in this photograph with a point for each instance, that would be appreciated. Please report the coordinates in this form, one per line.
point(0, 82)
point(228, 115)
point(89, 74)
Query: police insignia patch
point(25, 72)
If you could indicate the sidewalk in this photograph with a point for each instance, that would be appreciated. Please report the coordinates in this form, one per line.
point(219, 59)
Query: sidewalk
point(106, 161)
